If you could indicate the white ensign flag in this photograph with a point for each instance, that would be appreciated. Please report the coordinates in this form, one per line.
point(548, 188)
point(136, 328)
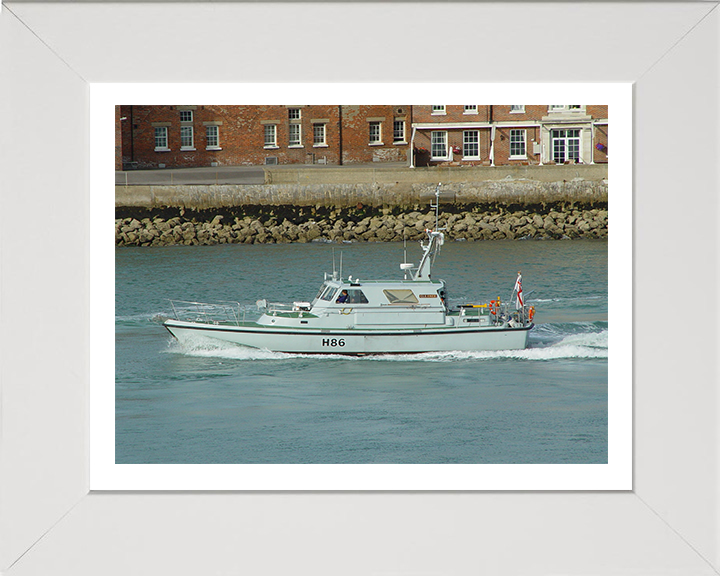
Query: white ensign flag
point(518, 288)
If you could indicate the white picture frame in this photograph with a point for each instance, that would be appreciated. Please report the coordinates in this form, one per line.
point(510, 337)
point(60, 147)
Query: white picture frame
point(667, 524)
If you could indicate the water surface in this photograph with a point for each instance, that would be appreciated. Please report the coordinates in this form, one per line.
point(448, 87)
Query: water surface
point(220, 403)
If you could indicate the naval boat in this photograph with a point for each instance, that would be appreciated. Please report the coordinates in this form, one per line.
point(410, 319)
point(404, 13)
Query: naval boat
point(358, 317)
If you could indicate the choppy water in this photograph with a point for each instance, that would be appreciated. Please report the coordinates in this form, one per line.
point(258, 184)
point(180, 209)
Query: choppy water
point(219, 403)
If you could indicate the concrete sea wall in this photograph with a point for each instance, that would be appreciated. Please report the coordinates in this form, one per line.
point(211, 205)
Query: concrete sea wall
point(404, 187)
point(370, 204)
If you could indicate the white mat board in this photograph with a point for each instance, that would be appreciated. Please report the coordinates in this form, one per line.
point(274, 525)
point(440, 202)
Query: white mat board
point(667, 525)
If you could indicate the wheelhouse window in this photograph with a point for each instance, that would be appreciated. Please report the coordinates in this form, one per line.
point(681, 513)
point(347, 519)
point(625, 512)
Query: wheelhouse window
point(438, 145)
point(398, 296)
point(471, 144)
point(351, 296)
point(565, 145)
point(161, 138)
point(326, 292)
point(517, 144)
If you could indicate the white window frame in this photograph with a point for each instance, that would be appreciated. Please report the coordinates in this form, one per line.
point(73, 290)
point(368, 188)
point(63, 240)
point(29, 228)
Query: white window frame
point(517, 108)
point(566, 140)
point(216, 137)
point(438, 110)
point(470, 109)
point(514, 133)
point(319, 129)
point(399, 132)
point(159, 138)
point(184, 118)
point(270, 136)
point(466, 144)
point(295, 140)
point(572, 108)
point(375, 136)
point(443, 135)
point(184, 131)
point(294, 113)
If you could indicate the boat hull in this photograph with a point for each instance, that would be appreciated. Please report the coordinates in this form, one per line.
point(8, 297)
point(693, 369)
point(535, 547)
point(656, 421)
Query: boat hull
point(355, 341)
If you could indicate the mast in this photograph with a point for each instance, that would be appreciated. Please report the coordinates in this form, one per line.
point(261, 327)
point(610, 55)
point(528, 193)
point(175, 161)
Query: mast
point(435, 240)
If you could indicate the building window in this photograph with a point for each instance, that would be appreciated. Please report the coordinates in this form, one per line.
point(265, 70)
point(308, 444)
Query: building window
point(438, 145)
point(212, 137)
point(186, 138)
point(472, 109)
point(161, 138)
point(270, 136)
point(566, 108)
point(399, 131)
point(565, 145)
point(294, 138)
point(186, 115)
point(517, 108)
point(294, 113)
point(517, 144)
point(319, 135)
point(375, 135)
point(438, 109)
point(471, 144)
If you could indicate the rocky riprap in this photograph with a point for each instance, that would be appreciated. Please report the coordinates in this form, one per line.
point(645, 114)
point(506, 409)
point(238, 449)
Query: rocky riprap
point(385, 225)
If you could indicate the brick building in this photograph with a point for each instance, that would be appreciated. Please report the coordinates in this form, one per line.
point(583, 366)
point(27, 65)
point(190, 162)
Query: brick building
point(193, 136)
point(509, 134)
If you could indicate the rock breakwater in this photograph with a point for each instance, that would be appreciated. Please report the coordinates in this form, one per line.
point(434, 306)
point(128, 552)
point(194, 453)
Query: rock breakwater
point(268, 226)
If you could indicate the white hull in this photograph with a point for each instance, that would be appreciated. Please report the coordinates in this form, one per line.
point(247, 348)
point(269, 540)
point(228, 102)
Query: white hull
point(368, 317)
point(356, 341)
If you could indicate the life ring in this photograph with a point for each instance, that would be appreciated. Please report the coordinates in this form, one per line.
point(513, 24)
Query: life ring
point(493, 309)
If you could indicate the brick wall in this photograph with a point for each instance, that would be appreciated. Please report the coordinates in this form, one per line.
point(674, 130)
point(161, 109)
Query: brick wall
point(308, 134)
point(118, 139)
point(360, 124)
point(240, 132)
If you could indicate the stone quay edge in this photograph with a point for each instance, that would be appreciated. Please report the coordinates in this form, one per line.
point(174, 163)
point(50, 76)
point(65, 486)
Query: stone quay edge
point(348, 186)
point(523, 202)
